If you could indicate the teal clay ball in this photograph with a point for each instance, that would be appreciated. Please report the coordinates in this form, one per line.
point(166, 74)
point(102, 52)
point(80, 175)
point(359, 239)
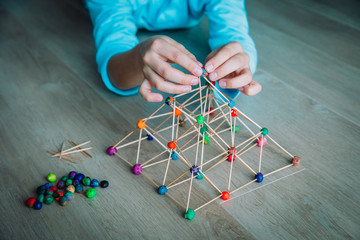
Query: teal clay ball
point(68, 182)
point(79, 188)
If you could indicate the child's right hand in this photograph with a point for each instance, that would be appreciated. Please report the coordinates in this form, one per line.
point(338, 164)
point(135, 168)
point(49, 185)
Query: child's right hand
point(155, 55)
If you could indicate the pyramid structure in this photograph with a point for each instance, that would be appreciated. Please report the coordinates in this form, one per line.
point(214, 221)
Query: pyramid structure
point(193, 136)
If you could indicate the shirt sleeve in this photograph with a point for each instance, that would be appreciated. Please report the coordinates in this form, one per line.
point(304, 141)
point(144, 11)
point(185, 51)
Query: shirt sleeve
point(228, 22)
point(114, 32)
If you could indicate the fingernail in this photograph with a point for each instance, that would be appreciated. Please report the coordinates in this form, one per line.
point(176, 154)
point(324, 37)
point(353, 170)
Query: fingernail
point(209, 67)
point(187, 88)
point(241, 89)
point(198, 71)
point(222, 84)
point(194, 81)
point(213, 76)
point(158, 98)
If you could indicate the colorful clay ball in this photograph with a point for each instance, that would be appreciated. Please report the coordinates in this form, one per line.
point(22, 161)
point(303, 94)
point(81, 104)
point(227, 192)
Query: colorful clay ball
point(90, 192)
point(40, 198)
point(79, 188)
point(86, 181)
point(48, 199)
point(30, 202)
point(70, 188)
point(63, 201)
point(104, 184)
point(94, 183)
point(69, 195)
point(37, 205)
point(49, 191)
point(72, 174)
point(79, 176)
point(58, 195)
point(51, 177)
point(48, 185)
point(61, 184)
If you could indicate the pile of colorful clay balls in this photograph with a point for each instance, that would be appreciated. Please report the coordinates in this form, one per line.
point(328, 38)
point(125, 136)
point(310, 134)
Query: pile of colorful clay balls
point(65, 189)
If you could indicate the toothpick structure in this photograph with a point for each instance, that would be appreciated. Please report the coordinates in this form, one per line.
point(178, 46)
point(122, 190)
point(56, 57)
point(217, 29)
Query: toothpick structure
point(181, 156)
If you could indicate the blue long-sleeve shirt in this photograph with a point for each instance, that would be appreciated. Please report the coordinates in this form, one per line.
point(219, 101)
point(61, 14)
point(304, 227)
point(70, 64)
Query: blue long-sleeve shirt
point(117, 21)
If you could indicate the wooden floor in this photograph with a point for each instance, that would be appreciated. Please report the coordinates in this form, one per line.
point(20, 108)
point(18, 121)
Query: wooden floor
point(309, 66)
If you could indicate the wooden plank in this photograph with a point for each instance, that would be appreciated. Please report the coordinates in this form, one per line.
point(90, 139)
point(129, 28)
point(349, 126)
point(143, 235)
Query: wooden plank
point(43, 103)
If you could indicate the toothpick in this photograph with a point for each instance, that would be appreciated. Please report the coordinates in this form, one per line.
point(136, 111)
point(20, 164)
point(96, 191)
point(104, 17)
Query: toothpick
point(86, 154)
point(75, 151)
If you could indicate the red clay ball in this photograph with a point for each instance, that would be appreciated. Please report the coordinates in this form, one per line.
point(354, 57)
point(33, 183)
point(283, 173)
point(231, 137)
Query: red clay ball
point(225, 195)
point(30, 202)
point(296, 161)
point(234, 112)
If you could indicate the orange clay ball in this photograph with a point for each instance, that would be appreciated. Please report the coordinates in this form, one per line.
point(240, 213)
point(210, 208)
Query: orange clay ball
point(172, 145)
point(141, 124)
point(178, 112)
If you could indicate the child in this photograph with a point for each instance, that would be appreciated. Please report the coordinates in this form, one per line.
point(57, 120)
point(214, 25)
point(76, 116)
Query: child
point(127, 66)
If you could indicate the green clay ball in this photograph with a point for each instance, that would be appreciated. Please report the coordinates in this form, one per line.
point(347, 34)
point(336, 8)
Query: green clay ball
point(64, 178)
point(235, 129)
point(200, 119)
point(40, 198)
point(206, 139)
point(90, 192)
point(51, 177)
point(203, 129)
point(190, 214)
point(86, 181)
point(48, 199)
point(68, 182)
point(264, 131)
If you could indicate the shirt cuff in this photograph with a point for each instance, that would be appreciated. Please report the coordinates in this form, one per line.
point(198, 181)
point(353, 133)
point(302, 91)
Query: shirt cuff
point(103, 58)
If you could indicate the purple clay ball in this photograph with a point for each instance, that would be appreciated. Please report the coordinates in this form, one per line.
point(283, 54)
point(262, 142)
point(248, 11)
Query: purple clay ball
point(111, 150)
point(137, 169)
point(61, 184)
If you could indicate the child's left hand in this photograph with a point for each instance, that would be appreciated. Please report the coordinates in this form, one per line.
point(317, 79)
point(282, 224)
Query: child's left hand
point(230, 65)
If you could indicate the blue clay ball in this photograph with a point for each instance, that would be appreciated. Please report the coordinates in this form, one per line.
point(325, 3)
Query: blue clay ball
point(79, 176)
point(61, 184)
point(162, 190)
point(259, 177)
point(37, 205)
point(149, 137)
point(94, 183)
point(174, 156)
point(76, 182)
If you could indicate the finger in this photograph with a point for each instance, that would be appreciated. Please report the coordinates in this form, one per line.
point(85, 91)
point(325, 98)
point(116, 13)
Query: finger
point(181, 48)
point(145, 92)
point(166, 71)
point(251, 89)
point(219, 58)
point(175, 55)
point(237, 80)
point(160, 84)
point(238, 61)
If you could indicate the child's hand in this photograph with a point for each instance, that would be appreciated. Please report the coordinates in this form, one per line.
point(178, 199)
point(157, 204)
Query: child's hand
point(230, 65)
point(155, 55)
